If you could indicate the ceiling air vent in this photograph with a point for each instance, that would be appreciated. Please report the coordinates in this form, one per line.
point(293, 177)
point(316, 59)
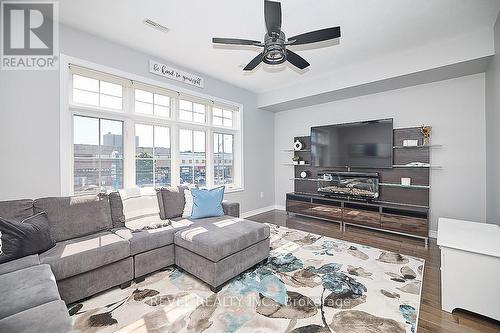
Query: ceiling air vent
point(155, 25)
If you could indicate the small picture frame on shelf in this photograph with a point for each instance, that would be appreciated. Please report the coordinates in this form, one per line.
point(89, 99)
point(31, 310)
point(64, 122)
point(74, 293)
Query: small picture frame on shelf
point(410, 143)
point(302, 162)
point(406, 181)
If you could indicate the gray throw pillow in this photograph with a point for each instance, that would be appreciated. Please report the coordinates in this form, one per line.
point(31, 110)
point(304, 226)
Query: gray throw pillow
point(20, 239)
point(171, 201)
point(76, 216)
point(116, 205)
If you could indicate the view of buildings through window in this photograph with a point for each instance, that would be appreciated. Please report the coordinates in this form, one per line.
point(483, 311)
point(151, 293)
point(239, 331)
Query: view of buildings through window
point(98, 143)
point(98, 154)
point(153, 156)
point(192, 152)
point(223, 159)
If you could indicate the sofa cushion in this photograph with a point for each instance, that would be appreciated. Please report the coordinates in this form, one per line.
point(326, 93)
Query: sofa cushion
point(171, 200)
point(27, 288)
point(20, 263)
point(231, 208)
point(71, 217)
point(218, 238)
point(35, 319)
point(116, 205)
point(20, 239)
point(139, 203)
point(83, 254)
point(149, 233)
point(16, 209)
point(188, 206)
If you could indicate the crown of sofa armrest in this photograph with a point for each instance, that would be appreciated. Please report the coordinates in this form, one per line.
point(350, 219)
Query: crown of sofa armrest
point(18, 264)
point(231, 208)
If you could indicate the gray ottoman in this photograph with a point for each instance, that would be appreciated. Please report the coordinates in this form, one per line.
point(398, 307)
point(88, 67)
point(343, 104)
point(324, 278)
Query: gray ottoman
point(217, 249)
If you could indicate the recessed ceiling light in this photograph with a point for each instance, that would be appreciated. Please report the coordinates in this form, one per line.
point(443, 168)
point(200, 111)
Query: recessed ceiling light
point(155, 25)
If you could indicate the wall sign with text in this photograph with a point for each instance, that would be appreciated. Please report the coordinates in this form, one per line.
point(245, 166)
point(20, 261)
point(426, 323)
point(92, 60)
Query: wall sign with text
point(175, 74)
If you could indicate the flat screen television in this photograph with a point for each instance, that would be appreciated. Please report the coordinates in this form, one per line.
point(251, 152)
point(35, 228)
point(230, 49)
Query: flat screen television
point(366, 144)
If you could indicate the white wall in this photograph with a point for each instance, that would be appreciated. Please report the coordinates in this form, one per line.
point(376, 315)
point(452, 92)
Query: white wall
point(29, 123)
point(471, 45)
point(493, 133)
point(454, 108)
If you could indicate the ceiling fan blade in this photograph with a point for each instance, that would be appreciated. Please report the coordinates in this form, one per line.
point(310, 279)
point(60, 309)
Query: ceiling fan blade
point(315, 36)
point(255, 62)
point(272, 15)
point(296, 60)
point(235, 41)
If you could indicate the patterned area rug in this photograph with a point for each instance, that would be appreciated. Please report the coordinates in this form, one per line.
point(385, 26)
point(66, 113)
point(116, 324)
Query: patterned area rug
point(310, 284)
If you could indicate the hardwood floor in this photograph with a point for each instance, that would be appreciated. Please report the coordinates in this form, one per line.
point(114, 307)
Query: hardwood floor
point(431, 318)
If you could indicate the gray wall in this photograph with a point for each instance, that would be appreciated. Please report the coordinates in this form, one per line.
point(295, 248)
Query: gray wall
point(454, 108)
point(29, 123)
point(493, 133)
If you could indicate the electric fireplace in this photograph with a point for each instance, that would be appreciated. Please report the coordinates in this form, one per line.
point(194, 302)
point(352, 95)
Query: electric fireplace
point(348, 184)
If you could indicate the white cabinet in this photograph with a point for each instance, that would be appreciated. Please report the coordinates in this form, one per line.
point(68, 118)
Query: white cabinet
point(470, 266)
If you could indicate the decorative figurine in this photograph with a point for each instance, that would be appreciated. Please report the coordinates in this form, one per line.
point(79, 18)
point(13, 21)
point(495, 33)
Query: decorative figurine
point(426, 132)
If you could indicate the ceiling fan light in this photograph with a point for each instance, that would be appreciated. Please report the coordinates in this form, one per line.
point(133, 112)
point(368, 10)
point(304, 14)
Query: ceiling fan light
point(274, 55)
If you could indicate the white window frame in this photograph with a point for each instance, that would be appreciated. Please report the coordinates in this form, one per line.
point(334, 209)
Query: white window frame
point(154, 159)
point(205, 131)
point(223, 108)
point(99, 157)
point(218, 131)
point(130, 118)
point(154, 90)
point(193, 100)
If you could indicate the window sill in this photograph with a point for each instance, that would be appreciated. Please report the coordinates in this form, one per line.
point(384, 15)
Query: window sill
point(234, 190)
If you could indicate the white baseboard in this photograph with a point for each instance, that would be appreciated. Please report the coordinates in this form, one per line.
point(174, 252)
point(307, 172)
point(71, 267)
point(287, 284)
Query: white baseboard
point(279, 207)
point(433, 234)
point(258, 211)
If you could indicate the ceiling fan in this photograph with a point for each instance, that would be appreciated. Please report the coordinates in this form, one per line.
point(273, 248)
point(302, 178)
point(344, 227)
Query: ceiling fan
point(275, 42)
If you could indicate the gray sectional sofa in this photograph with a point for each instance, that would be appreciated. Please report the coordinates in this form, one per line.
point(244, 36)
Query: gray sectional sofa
point(97, 249)
point(29, 294)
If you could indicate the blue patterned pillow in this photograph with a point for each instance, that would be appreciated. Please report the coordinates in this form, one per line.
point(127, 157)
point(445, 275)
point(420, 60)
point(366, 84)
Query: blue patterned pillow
point(207, 203)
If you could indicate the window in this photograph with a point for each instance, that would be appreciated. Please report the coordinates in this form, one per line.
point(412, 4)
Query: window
point(223, 159)
point(158, 137)
point(152, 155)
point(222, 117)
point(193, 157)
point(98, 154)
point(191, 111)
point(96, 92)
point(151, 103)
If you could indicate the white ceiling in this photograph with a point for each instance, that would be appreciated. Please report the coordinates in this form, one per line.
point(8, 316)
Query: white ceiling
point(370, 29)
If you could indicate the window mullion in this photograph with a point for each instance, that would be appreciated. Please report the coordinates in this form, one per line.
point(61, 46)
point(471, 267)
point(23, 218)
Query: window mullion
point(209, 154)
point(129, 164)
point(99, 151)
point(193, 157)
point(174, 155)
point(153, 157)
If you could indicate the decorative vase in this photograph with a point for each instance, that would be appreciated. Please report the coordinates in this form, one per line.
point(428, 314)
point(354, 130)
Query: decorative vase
point(426, 132)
